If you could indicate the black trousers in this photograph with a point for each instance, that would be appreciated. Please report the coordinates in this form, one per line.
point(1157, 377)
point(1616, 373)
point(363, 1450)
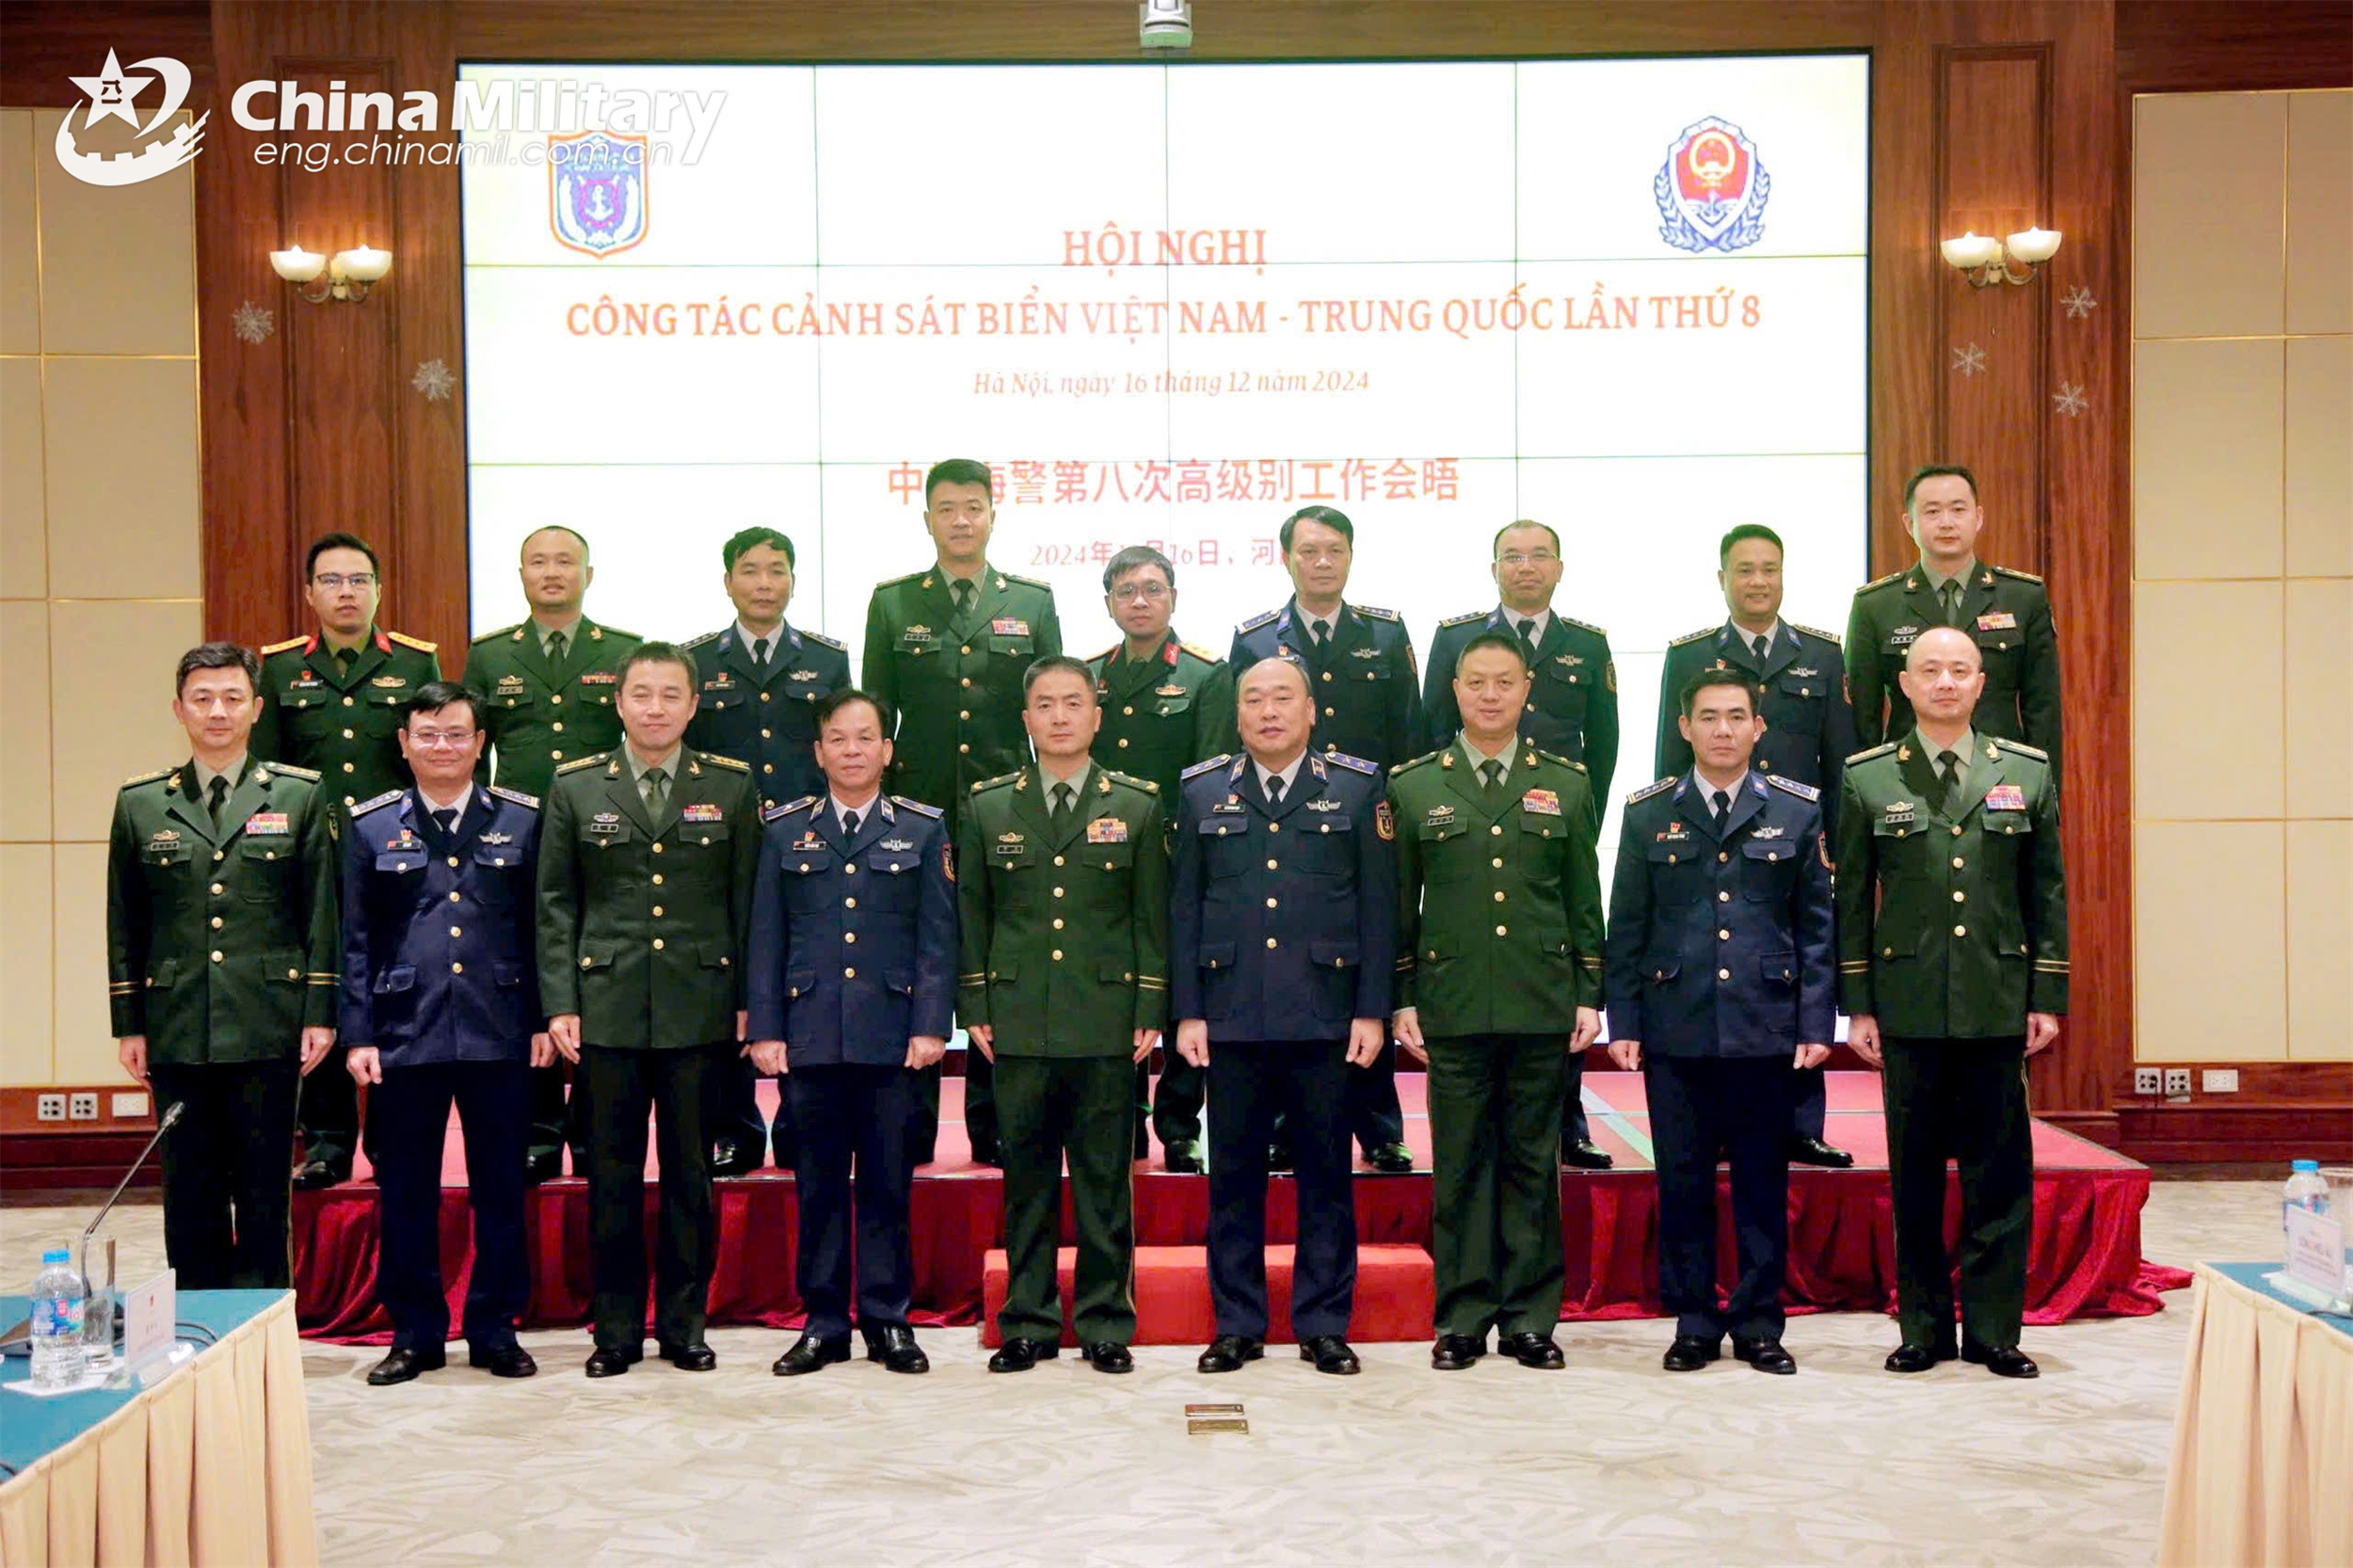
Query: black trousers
point(1572, 1126)
point(1251, 1082)
point(1964, 1100)
point(553, 1121)
point(735, 1114)
point(1701, 1107)
point(410, 1111)
point(980, 1108)
point(1374, 1116)
point(1809, 1101)
point(1496, 1199)
point(326, 1114)
point(614, 1091)
point(855, 1178)
point(227, 1182)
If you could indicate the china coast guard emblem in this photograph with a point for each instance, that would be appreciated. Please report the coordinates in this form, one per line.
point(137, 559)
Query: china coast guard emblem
point(597, 191)
point(1711, 190)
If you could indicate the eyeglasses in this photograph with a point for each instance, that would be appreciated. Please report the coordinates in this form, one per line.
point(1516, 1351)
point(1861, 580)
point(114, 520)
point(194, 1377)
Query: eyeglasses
point(331, 581)
point(1129, 592)
point(433, 738)
point(1527, 558)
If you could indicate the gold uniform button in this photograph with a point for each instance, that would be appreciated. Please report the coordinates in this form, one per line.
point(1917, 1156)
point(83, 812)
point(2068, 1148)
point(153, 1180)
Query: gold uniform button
point(351, 767)
point(1270, 904)
point(587, 963)
point(557, 726)
point(1329, 713)
point(1270, 941)
point(1327, 675)
point(1723, 974)
point(216, 923)
point(1724, 935)
point(220, 855)
point(1058, 892)
point(767, 767)
point(849, 974)
point(849, 903)
point(1721, 897)
point(347, 702)
point(1058, 955)
point(457, 931)
point(556, 697)
point(555, 756)
point(657, 877)
point(1721, 857)
point(657, 911)
point(453, 897)
point(1057, 859)
point(453, 860)
point(763, 696)
point(216, 955)
point(346, 734)
point(1496, 830)
point(964, 747)
point(1123, 743)
point(1274, 827)
point(965, 681)
point(217, 890)
point(1955, 830)
point(764, 734)
point(1503, 931)
point(850, 870)
point(657, 849)
point(1959, 897)
point(1961, 931)
point(1499, 895)
point(657, 944)
point(293, 975)
point(1129, 712)
point(964, 713)
point(1956, 862)
point(458, 968)
point(1274, 865)
point(1497, 862)
point(1058, 923)
point(849, 936)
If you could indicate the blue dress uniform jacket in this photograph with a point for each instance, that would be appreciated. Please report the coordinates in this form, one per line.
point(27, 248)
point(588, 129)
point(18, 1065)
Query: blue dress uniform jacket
point(1282, 924)
point(1809, 729)
point(1720, 943)
point(1367, 692)
point(438, 951)
point(767, 719)
point(852, 942)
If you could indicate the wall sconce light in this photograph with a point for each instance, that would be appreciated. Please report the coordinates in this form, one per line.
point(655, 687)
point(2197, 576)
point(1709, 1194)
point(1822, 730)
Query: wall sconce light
point(1982, 259)
point(348, 273)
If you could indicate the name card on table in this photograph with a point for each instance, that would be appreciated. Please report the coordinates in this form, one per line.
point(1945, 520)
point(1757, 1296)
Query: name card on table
point(149, 1313)
point(2315, 1254)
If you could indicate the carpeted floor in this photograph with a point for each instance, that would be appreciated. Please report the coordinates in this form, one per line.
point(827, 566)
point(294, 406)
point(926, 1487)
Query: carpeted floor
point(1613, 1460)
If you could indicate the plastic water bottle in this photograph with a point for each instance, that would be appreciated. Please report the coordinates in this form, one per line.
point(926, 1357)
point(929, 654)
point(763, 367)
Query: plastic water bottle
point(58, 1354)
point(2306, 1189)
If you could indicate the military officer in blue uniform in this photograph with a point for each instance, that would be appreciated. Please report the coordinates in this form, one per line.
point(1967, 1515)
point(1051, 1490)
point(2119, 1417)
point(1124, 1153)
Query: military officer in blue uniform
point(1367, 701)
point(1282, 940)
point(440, 1003)
point(761, 681)
point(1719, 977)
point(1809, 729)
point(852, 971)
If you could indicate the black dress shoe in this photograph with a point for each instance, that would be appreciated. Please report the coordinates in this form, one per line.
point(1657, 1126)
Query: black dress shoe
point(1105, 1356)
point(809, 1354)
point(1227, 1352)
point(502, 1361)
point(694, 1357)
point(1580, 1154)
point(2011, 1362)
point(1278, 1158)
point(1183, 1159)
point(1454, 1352)
point(544, 1166)
point(1691, 1351)
point(611, 1361)
point(1390, 1159)
point(896, 1349)
point(1914, 1359)
point(1019, 1356)
point(1813, 1151)
point(1765, 1355)
point(1538, 1350)
point(403, 1363)
point(312, 1174)
point(1330, 1352)
point(731, 1158)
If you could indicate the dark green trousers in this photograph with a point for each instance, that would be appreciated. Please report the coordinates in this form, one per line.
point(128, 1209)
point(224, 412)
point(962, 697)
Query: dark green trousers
point(1082, 1106)
point(1964, 1100)
point(1495, 1130)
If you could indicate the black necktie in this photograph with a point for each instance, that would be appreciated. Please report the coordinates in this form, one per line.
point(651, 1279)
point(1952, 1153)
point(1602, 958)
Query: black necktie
point(217, 797)
point(1321, 634)
point(1948, 763)
point(446, 820)
point(1762, 643)
point(555, 647)
point(759, 655)
point(849, 825)
point(1274, 790)
point(343, 662)
point(961, 591)
point(1723, 808)
point(1490, 774)
point(1950, 594)
point(1527, 636)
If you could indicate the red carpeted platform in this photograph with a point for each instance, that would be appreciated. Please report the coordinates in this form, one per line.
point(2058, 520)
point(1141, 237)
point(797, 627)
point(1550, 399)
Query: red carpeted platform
point(2086, 1263)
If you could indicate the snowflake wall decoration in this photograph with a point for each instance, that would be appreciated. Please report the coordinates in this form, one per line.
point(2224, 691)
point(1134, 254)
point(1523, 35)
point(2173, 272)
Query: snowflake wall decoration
point(1969, 362)
point(251, 323)
point(2078, 303)
point(2069, 399)
point(434, 379)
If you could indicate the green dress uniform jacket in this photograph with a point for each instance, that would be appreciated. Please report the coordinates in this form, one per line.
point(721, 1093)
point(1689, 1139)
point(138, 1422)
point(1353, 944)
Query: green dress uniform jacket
point(955, 681)
point(1499, 928)
point(1065, 926)
point(1572, 695)
point(542, 716)
point(2008, 612)
point(223, 944)
point(642, 923)
point(344, 726)
point(1970, 933)
point(1163, 713)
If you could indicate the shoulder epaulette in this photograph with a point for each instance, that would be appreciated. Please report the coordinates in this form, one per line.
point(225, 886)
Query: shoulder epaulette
point(578, 762)
point(516, 795)
point(1649, 790)
point(1207, 764)
point(1376, 613)
point(1105, 657)
point(706, 638)
point(1803, 792)
point(366, 805)
point(1257, 621)
point(600, 626)
point(1701, 635)
point(1815, 632)
point(501, 631)
point(992, 783)
point(736, 763)
point(905, 577)
point(1027, 582)
point(1132, 782)
point(1341, 759)
point(1202, 653)
point(281, 648)
point(1560, 761)
point(917, 807)
point(1462, 619)
point(293, 771)
point(1869, 752)
point(147, 777)
point(405, 640)
point(1411, 764)
point(1572, 620)
point(833, 643)
point(2020, 746)
point(2021, 576)
point(770, 813)
point(1883, 581)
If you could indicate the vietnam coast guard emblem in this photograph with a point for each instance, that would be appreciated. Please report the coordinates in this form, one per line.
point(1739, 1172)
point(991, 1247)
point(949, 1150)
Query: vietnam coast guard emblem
point(1711, 191)
point(597, 191)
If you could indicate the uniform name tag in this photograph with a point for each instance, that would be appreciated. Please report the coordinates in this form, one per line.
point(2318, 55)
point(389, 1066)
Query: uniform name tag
point(599, 678)
point(1009, 626)
point(307, 680)
point(606, 821)
point(1107, 830)
point(1542, 801)
point(2006, 797)
point(2000, 620)
point(806, 841)
point(265, 822)
point(403, 840)
point(1674, 831)
point(1232, 807)
point(698, 810)
point(723, 680)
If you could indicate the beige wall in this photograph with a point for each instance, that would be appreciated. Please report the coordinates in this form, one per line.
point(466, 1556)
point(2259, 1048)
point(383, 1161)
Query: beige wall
point(2243, 576)
point(99, 569)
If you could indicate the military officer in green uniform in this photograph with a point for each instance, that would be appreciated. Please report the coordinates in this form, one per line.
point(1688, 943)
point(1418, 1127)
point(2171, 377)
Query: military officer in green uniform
point(946, 648)
point(547, 686)
point(1952, 959)
point(647, 861)
point(1166, 705)
point(1063, 984)
point(1499, 989)
point(2008, 614)
point(331, 703)
point(223, 959)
